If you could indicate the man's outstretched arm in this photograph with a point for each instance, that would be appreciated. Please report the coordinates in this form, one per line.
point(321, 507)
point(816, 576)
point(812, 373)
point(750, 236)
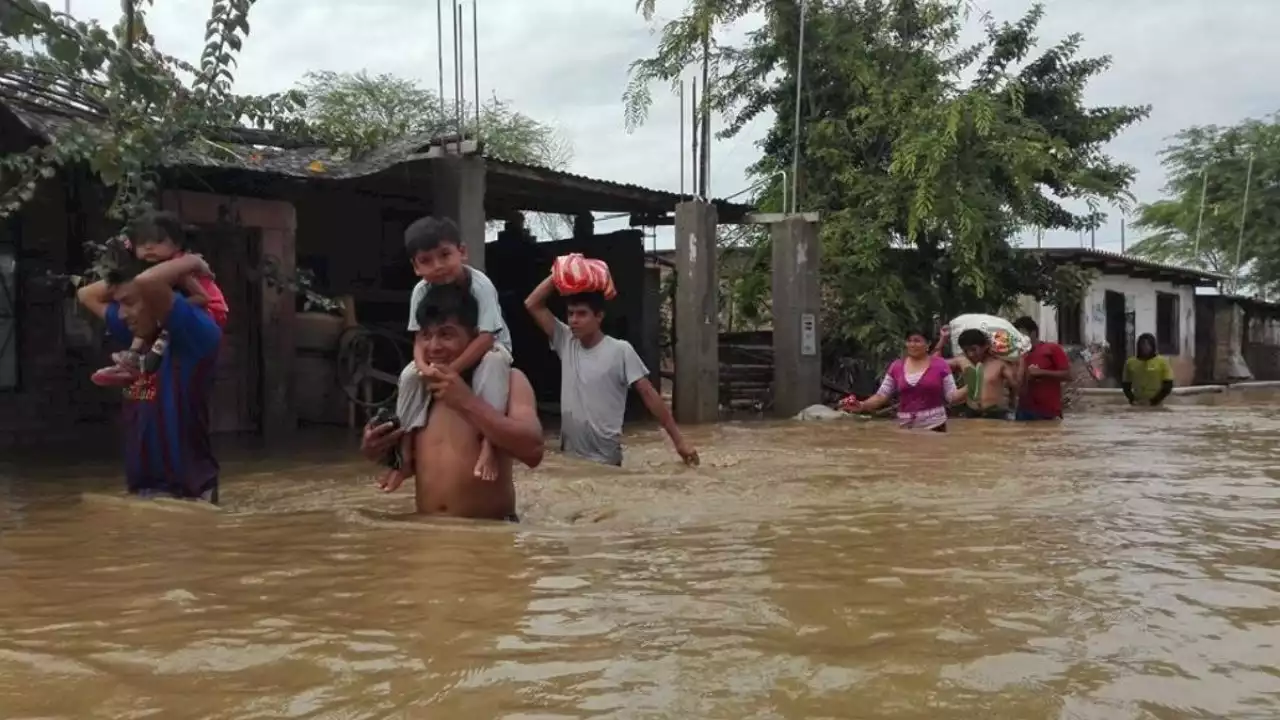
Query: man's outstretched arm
point(653, 401)
point(517, 433)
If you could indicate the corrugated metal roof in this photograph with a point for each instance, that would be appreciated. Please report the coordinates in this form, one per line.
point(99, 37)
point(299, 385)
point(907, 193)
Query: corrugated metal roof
point(321, 163)
point(1125, 259)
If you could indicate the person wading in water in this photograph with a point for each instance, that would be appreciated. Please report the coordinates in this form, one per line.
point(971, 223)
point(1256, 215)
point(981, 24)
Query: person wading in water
point(1147, 378)
point(168, 452)
point(922, 383)
point(447, 448)
point(991, 384)
point(1045, 369)
point(595, 372)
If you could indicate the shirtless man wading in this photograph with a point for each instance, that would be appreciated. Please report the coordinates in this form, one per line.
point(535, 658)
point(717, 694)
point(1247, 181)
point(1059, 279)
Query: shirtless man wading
point(446, 450)
point(991, 384)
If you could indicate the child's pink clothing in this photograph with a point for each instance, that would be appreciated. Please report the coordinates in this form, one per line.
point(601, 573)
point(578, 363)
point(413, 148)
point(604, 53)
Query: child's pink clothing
point(217, 306)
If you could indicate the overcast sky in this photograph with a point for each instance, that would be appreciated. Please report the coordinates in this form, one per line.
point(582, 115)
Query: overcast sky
point(564, 62)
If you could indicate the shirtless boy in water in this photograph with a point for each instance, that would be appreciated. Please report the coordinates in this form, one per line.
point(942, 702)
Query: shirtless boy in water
point(447, 448)
point(990, 384)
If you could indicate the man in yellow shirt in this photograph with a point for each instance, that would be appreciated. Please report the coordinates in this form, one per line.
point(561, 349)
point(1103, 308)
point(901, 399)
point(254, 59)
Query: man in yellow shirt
point(1147, 378)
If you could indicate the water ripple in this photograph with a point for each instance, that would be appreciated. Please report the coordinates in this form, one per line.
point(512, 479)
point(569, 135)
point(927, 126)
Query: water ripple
point(1121, 566)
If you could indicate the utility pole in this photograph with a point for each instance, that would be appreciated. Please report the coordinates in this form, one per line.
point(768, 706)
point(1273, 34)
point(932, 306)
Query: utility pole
point(444, 113)
point(1244, 211)
point(704, 158)
point(1204, 193)
point(681, 145)
point(693, 137)
point(475, 58)
point(795, 135)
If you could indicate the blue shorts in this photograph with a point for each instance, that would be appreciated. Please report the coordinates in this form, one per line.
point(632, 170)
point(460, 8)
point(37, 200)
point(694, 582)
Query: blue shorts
point(1028, 416)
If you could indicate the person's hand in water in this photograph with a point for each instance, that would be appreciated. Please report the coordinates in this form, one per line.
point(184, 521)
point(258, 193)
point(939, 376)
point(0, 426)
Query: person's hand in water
point(392, 480)
point(688, 453)
point(378, 439)
point(851, 404)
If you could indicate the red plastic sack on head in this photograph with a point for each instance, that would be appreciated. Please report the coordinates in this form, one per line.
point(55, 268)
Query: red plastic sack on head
point(575, 273)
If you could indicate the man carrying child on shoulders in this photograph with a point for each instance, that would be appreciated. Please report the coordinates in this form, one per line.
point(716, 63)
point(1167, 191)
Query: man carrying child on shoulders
point(439, 258)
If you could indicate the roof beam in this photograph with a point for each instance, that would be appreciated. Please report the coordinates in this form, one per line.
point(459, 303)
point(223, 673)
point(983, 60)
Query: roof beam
point(585, 186)
point(652, 219)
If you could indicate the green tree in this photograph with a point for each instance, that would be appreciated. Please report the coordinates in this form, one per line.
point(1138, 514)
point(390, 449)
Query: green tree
point(900, 152)
point(1212, 162)
point(362, 111)
point(128, 107)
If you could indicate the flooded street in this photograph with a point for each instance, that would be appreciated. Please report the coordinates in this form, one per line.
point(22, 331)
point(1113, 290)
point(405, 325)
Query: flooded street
point(1122, 565)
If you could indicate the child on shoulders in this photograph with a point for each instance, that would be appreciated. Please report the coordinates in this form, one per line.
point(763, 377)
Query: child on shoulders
point(154, 239)
point(439, 257)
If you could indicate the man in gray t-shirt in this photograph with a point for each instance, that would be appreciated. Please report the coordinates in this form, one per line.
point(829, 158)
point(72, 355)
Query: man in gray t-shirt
point(595, 372)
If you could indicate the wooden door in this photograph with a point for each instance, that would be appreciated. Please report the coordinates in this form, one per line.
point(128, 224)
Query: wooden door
point(234, 254)
point(1113, 307)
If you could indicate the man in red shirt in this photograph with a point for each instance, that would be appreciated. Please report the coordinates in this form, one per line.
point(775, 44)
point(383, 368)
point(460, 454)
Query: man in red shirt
point(1044, 369)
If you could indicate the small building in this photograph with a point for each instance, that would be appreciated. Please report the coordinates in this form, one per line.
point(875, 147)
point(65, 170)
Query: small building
point(1237, 338)
point(272, 205)
point(1129, 297)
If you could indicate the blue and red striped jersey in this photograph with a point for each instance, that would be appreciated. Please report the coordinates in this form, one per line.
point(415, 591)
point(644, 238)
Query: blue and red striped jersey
point(166, 414)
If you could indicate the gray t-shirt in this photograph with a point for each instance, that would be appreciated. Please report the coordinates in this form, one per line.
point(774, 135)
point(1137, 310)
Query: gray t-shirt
point(486, 296)
point(593, 394)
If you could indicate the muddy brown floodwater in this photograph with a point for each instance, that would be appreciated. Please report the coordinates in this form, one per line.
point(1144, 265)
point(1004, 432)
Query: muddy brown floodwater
point(1123, 565)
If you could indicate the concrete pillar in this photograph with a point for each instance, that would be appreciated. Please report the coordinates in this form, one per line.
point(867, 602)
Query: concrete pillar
point(797, 341)
point(1229, 331)
point(697, 351)
point(457, 188)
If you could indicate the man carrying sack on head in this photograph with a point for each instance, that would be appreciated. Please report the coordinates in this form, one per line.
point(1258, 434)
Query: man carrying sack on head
point(595, 369)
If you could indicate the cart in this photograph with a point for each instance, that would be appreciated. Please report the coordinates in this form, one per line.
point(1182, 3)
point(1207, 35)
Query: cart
point(370, 360)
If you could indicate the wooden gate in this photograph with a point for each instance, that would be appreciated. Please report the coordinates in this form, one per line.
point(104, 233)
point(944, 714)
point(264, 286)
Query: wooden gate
point(234, 254)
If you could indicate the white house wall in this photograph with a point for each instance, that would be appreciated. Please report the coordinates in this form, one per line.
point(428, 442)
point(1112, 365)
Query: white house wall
point(1140, 299)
